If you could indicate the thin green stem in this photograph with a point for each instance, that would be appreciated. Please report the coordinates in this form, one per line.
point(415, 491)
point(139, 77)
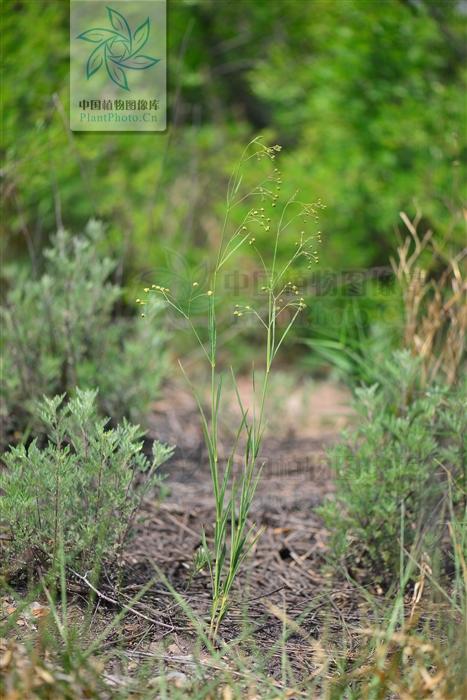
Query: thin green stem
point(233, 537)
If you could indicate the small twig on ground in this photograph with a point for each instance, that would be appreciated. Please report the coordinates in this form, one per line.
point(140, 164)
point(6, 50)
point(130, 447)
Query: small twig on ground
point(108, 599)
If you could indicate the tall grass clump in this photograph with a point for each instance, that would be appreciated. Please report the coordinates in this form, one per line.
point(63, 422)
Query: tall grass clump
point(281, 304)
point(60, 330)
point(434, 292)
point(421, 306)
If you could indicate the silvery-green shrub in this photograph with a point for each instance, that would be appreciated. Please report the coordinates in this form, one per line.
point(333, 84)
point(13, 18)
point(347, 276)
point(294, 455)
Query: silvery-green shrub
point(78, 489)
point(61, 330)
point(397, 470)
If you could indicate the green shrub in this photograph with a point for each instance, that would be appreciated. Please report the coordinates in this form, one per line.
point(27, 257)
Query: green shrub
point(79, 490)
point(376, 66)
point(392, 471)
point(60, 331)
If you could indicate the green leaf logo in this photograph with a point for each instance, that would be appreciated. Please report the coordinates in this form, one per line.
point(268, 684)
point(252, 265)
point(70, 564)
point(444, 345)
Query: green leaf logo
point(118, 49)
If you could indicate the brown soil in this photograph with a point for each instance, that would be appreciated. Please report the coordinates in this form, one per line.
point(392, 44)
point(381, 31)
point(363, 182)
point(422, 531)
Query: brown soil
point(283, 575)
point(284, 572)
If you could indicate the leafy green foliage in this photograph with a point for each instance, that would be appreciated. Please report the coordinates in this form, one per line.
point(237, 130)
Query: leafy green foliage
point(391, 474)
point(59, 332)
point(372, 120)
point(79, 492)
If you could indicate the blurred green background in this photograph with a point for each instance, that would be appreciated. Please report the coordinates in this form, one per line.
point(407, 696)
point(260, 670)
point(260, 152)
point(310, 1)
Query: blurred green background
point(365, 96)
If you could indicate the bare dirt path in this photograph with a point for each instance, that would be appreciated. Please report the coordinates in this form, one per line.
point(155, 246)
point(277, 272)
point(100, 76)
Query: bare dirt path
point(285, 569)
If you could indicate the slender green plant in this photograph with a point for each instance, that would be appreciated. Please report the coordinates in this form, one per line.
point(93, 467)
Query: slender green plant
point(233, 535)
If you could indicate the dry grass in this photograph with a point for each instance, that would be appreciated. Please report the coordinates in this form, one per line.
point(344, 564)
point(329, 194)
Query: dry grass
point(413, 648)
point(435, 302)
